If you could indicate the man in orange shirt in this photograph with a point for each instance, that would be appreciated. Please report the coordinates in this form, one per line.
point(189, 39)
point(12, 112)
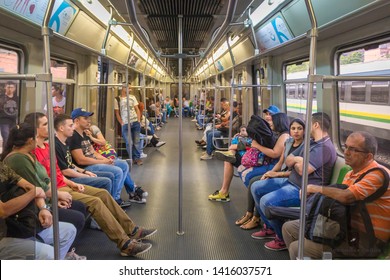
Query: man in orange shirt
point(360, 149)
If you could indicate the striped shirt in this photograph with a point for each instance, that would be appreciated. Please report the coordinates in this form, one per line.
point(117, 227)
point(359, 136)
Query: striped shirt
point(379, 209)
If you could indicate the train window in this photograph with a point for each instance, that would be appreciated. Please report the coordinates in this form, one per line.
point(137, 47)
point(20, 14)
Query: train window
point(358, 92)
point(9, 92)
point(296, 91)
point(380, 92)
point(63, 86)
point(364, 104)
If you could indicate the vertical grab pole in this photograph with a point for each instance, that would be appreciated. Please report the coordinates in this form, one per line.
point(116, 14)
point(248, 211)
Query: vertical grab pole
point(231, 91)
point(180, 47)
point(46, 33)
point(313, 34)
point(130, 140)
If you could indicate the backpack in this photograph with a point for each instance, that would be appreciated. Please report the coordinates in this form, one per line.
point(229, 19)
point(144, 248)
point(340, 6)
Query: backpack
point(260, 130)
point(329, 222)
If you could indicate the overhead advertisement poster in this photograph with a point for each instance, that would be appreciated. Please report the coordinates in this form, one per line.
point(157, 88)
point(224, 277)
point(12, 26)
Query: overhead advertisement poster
point(273, 33)
point(62, 16)
point(34, 10)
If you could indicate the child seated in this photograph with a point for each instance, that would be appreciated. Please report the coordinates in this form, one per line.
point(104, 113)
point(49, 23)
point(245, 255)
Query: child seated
point(240, 143)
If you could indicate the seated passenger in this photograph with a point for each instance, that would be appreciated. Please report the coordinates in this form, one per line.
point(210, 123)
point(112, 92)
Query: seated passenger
point(237, 149)
point(112, 220)
point(136, 193)
point(360, 150)
point(281, 127)
point(297, 128)
point(17, 248)
point(86, 157)
point(285, 191)
point(154, 141)
point(63, 126)
point(18, 155)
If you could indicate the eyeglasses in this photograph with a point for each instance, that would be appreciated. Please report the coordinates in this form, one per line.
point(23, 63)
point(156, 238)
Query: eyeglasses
point(352, 149)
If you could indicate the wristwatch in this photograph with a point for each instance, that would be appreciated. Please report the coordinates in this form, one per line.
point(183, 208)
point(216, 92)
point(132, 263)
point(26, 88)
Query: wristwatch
point(44, 207)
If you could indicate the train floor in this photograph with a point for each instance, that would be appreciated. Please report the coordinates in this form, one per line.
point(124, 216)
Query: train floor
point(209, 229)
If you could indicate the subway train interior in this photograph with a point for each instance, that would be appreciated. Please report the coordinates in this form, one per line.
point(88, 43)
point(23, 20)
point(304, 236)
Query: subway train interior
point(178, 57)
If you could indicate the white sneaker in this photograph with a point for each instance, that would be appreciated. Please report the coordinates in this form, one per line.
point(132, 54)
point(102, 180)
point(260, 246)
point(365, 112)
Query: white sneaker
point(206, 157)
point(160, 143)
point(143, 155)
point(194, 120)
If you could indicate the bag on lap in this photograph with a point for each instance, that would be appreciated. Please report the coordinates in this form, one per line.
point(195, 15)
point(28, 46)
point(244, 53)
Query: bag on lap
point(25, 223)
point(253, 157)
point(107, 151)
point(329, 222)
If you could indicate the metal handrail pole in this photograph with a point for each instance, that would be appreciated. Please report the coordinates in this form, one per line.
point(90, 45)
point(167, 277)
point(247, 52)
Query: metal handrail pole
point(180, 49)
point(46, 33)
point(313, 34)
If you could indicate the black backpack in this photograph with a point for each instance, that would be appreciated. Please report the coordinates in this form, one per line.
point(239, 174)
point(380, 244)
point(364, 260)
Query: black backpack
point(260, 130)
point(329, 221)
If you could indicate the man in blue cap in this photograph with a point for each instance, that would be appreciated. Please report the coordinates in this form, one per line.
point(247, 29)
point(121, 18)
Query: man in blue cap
point(86, 157)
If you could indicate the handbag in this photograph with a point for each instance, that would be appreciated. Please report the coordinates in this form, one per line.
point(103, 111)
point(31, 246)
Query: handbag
point(25, 223)
point(106, 150)
point(251, 158)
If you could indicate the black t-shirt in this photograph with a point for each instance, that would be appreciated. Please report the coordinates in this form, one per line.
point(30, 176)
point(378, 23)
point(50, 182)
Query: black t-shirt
point(64, 157)
point(8, 109)
point(81, 142)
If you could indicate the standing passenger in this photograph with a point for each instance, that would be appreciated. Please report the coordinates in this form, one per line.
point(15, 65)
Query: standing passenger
point(9, 104)
point(123, 113)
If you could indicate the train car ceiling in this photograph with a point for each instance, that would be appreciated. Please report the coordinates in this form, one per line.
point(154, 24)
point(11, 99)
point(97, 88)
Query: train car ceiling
point(276, 23)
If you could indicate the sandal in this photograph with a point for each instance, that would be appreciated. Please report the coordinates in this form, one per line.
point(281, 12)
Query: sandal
point(251, 224)
point(244, 219)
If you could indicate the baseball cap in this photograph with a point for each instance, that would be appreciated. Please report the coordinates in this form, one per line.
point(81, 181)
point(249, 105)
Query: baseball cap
point(80, 112)
point(272, 110)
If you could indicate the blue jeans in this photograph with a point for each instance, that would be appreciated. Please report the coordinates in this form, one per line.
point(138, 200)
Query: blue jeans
point(67, 235)
point(103, 181)
point(247, 173)
point(119, 169)
point(209, 136)
point(274, 192)
point(135, 129)
point(24, 249)
point(4, 130)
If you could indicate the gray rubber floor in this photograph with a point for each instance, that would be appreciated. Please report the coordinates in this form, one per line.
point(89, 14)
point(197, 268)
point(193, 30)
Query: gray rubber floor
point(209, 229)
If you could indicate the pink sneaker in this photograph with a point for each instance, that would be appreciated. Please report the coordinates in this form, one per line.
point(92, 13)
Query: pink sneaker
point(263, 233)
point(276, 245)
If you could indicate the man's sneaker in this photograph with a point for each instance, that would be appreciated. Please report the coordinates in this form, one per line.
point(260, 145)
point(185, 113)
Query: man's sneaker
point(263, 233)
point(134, 248)
point(72, 256)
point(217, 196)
point(123, 204)
point(206, 157)
point(160, 143)
point(142, 155)
point(135, 198)
point(141, 233)
point(225, 156)
point(194, 120)
point(140, 192)
point(276, 245)
point(138, 161)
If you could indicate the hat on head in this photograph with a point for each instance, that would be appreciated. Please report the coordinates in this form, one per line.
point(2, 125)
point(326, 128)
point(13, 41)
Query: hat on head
point(272, 110)
point(80, 112)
